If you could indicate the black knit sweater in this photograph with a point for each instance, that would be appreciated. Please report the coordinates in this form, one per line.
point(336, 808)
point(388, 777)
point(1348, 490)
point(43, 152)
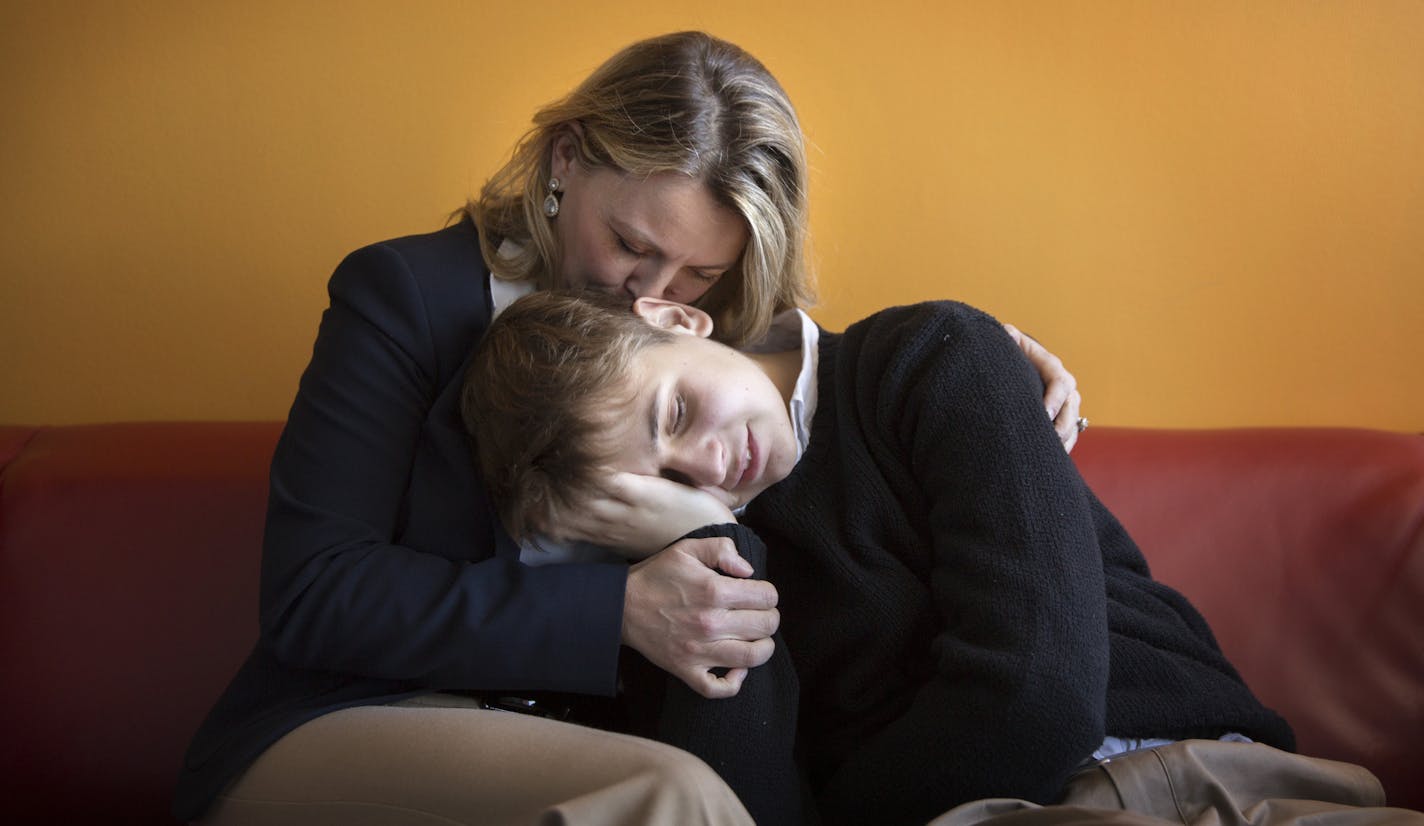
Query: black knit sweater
point(965, 618)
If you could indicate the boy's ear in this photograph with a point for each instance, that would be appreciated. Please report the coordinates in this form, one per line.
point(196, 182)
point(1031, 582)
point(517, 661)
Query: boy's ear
point(670, 315)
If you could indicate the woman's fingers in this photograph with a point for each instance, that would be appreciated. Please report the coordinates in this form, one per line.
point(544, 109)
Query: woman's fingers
point(1061, 398)
point(688, 618)
point(1067, 423)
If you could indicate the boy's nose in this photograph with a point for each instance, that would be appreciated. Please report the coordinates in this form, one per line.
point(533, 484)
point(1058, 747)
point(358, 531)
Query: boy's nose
point(702, 463)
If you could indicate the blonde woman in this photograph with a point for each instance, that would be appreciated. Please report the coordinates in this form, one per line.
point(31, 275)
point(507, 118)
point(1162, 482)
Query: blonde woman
point(398, 625)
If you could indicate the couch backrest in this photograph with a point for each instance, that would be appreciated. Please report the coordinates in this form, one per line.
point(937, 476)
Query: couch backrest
point(128, 592)
point(1304, 549)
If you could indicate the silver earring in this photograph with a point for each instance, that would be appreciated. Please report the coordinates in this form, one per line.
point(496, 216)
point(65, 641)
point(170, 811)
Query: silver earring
point(551, 201)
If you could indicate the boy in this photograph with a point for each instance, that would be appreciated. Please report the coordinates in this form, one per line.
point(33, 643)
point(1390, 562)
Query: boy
point(966, 620)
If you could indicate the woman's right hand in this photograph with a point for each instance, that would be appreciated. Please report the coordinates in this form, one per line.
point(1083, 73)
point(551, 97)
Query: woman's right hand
point(640, 515)
point(689, 606)
point(693, 612)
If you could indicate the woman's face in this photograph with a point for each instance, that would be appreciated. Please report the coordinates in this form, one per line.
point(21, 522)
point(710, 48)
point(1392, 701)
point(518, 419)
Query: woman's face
point(662, 237)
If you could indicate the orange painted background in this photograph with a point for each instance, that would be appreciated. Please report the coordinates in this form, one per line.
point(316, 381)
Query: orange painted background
point(1214, 211)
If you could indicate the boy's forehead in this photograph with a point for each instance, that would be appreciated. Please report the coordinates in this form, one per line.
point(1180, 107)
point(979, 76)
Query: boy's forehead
point(631, 409)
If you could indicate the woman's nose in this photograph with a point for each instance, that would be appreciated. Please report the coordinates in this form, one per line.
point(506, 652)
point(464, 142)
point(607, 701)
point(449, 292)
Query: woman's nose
point(648, 280)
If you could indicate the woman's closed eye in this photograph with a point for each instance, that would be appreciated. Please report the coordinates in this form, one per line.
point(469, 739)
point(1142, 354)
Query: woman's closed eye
point(624, 246)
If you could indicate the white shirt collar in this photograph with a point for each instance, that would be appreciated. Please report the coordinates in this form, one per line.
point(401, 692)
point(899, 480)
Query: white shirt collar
point(504, 292)
point(793, 329)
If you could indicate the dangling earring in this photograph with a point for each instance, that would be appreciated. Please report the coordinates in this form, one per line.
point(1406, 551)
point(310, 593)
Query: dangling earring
point(551, 201)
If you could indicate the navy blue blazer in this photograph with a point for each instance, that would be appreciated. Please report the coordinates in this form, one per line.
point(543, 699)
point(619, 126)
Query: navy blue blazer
point(385, 572)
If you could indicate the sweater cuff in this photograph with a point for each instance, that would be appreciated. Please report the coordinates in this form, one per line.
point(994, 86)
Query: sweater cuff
point(748, 544)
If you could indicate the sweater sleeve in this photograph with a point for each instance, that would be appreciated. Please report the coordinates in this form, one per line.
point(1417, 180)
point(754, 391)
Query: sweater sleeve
point(748, 739)
point(339, 593)
point(1014, 694)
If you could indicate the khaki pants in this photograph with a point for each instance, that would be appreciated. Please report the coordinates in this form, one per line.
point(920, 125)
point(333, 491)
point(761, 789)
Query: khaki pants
point(1202, 783)
point(436, 760)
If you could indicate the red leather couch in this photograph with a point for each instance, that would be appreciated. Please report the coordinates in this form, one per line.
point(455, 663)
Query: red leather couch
point(129, 566)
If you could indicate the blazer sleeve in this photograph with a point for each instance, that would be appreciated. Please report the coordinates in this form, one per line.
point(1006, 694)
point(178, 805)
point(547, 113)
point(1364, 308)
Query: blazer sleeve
point(339, 593)
point(1015, 688)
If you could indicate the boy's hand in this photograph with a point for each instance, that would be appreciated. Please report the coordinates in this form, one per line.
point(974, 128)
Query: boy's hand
point(687, 618)
point(641, 515)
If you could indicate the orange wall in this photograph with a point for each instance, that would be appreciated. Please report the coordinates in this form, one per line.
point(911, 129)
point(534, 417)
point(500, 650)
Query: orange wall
point(1214, 211)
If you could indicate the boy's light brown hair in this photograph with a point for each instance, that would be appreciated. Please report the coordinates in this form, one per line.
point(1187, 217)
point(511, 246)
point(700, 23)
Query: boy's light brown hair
point(539, 393)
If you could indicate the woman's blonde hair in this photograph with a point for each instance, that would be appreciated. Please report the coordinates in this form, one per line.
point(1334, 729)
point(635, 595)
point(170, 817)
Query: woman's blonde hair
point(684, 103)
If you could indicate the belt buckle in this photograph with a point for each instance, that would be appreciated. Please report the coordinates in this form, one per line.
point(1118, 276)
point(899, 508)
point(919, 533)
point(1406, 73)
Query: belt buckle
point(525, 705)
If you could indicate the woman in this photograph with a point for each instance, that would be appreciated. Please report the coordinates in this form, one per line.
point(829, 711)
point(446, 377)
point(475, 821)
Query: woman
point(395, 616)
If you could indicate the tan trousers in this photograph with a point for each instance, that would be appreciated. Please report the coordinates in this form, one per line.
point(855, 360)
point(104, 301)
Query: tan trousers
point(1202, 783)
point(432, 761)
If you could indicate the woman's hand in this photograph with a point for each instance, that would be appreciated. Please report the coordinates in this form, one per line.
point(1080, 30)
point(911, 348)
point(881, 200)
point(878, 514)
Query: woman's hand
point(691, 610)
point(641, 515)
point(1061, 399)
point(689, 607)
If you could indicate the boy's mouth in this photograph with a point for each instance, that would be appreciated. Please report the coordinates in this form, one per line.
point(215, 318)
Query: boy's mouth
point(750, 456)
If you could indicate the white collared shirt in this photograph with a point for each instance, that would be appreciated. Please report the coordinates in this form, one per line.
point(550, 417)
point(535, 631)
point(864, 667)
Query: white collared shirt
point(504, 292)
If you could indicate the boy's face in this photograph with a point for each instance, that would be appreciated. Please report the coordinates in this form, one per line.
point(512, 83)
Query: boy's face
point(705, 415)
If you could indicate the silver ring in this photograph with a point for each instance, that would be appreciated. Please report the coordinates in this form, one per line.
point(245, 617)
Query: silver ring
point(1082, 424)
